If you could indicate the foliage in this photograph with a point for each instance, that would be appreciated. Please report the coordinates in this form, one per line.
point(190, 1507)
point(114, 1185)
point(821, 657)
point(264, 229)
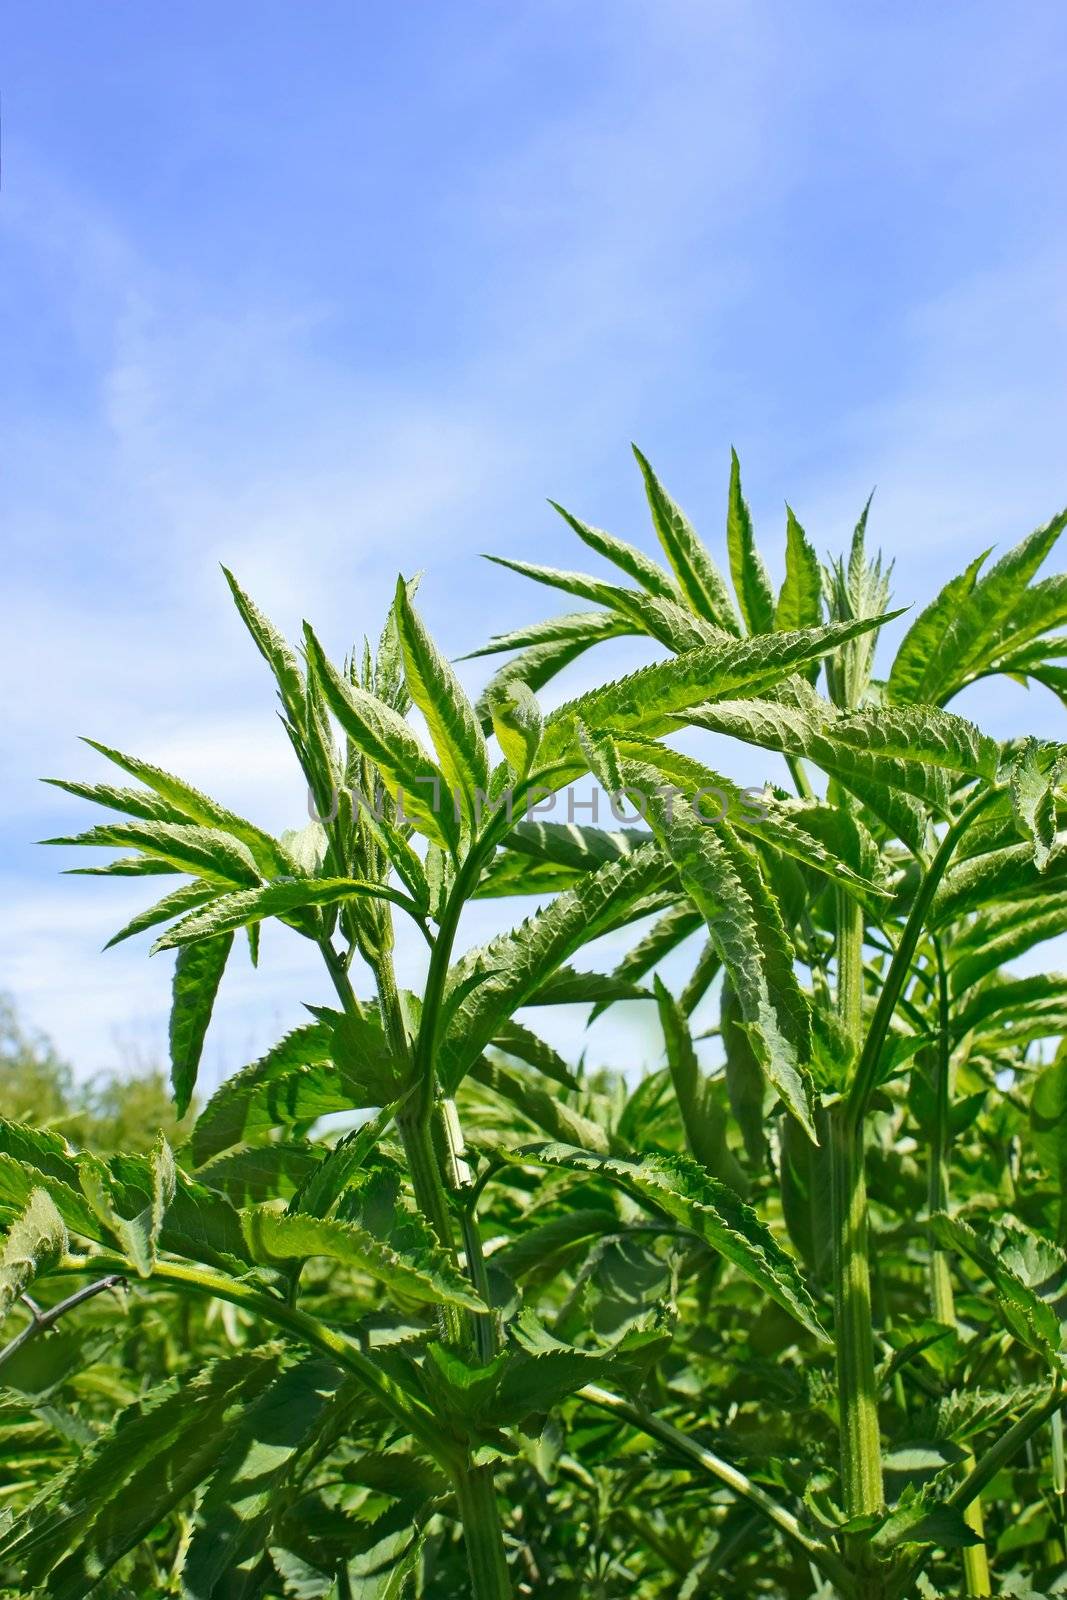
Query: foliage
point(787, 1323)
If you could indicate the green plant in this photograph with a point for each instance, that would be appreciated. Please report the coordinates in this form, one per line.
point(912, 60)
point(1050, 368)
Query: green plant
point(609, 1330)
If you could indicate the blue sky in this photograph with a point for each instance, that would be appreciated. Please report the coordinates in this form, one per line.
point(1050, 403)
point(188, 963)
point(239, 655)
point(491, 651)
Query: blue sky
point(327, 291)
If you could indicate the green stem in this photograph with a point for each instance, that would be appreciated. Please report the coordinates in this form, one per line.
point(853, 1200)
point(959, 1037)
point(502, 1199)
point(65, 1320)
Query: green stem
point(406, 1408)
point(999, 1454)
point(735, 1480)
point(867, 1070)
point(480, 1515)
point(857, 1393)
point(861, 1455)
point(976, 1574)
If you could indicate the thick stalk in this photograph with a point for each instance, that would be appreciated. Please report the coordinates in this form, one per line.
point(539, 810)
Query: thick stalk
point(976, 1574)
point(475, 1488)
point(857, 1393)
point(480, 1514)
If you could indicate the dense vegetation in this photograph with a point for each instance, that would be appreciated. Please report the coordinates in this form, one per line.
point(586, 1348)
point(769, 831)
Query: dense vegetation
point(787, 1325)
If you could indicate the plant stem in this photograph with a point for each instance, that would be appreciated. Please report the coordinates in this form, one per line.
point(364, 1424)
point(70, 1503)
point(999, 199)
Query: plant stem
point(999, 1454)
point(43, 1320)
point(976, 1573)
point(857, 1393)
point(482, 1533)
point(867, 1070)
point(407, 1408)
point(861, 1455)
point(666, 1433)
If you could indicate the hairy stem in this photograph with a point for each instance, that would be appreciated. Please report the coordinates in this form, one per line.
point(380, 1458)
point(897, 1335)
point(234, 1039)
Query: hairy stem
point(482, 1532)
point(976, 1573)
point(857, 1395)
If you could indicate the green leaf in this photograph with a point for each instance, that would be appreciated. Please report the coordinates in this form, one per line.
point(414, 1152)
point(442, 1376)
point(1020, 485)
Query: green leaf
point(703, 1130)
point(1020, 1265)
point(970, 637)
point(1006, 875)
point(490, 983)
point(723, 879)
point(1048, 1123)
point(745, 1080)
point(278, 655)
point(266, 852)
point(450, 717)
point(515, 1040)
point(677, 1187)
point(698, 577)
point(751, 583)
point(518, 725)
point(544, 1109)
point(197, 975)
point(576, 630)
point(182, 847)
point(275, 1236)
point(175, 904)
point(798, 722)
point(1035, 775)
point(33, 1244)
point(296, 1081)
point(666, 619)
point(649, 574)
point(379, 733)
point(649, 702)
point(1000, 933)
point(230, 911)
point(923, 640)
point(242, 1499)
point(800, 598)
point(152, 1456)
point(139, 1232)
point(131, 802)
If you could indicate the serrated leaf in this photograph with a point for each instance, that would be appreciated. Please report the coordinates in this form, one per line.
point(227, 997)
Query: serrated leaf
point(649, 574)
point(278, 655)
point(228, 912)
point(383, 736)
point(175, 904)
point(698, 577)
point(180, 847)
point(1019, 1265)
point(193, 806)
point(518, 725)
point(648, 702)
point(275, 1236)
point(751, 583)
point(439, 695)
point(1035, 774)
point(800, 598)
point(241, 1500)
point(197, 975)
point(919, 648)
point(490, 983)
point(969, 637)
point(295, 1081)
point(151, 1457)
point(33, 1244)
point(722, 877)
point(678, 1187)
